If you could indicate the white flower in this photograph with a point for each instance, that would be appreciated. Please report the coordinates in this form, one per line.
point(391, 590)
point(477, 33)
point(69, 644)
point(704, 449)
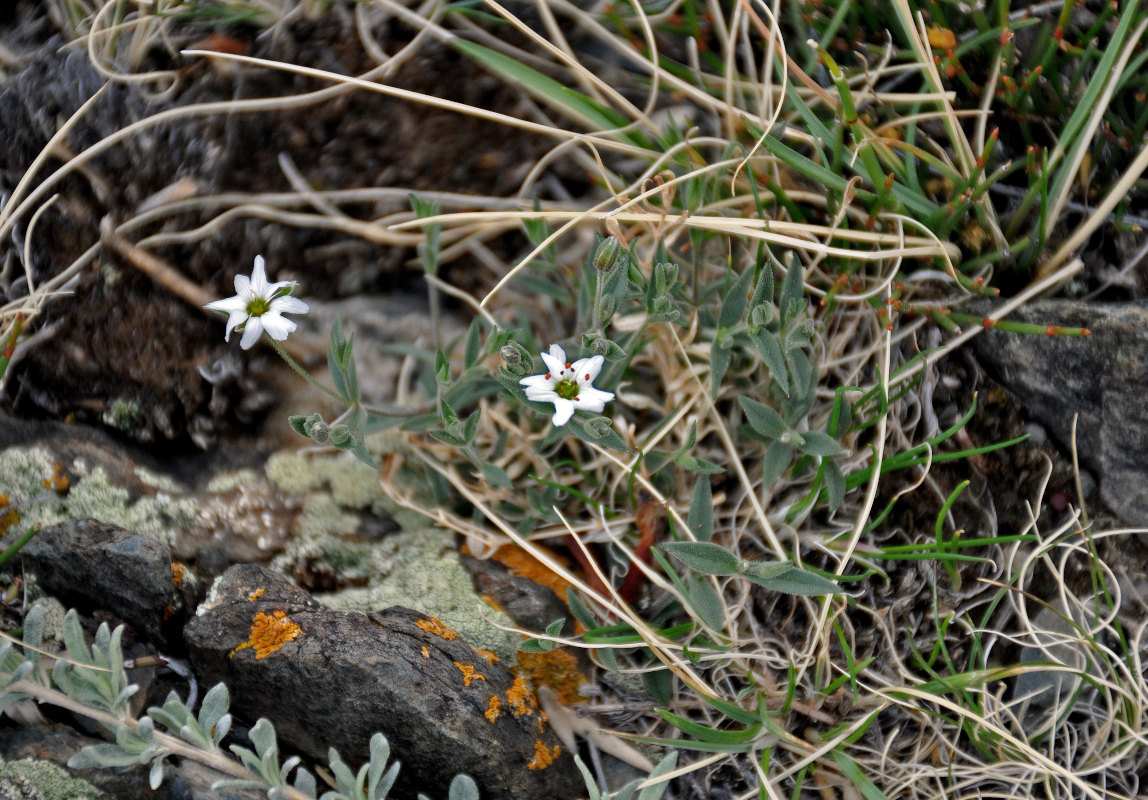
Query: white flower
point(258, 306)
point(567, 386)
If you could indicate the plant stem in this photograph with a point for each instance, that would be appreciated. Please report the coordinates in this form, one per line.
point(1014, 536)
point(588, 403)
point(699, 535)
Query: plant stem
point(215, 759)
point(295, 365)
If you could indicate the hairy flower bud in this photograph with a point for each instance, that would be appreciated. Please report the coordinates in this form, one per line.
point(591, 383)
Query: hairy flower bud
point(609, 254)
point(341, 437)
point(599, 426)
point(761, 315)
point(319, 432)
point(510, 356)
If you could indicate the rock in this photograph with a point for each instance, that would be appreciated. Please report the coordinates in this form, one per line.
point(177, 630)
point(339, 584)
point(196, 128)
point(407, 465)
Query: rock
point(1044, 693)
point(530, 604)
point(331, 679)
point(92, 565)
point(1103, 378)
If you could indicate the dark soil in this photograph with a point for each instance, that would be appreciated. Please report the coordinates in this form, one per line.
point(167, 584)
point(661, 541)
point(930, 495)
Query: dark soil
point(122, 351)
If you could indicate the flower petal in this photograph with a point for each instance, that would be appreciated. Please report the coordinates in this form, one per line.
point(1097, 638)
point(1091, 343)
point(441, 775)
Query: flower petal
point(591, 399)
point(232, 305)
point(233, 321)
point(555, 360)
point(563, 411)
point(537, 382)
point(289, 305)
point(259, 278)
point(276, 326)
point(243, 289)
point(251, 332)
point(587, 369)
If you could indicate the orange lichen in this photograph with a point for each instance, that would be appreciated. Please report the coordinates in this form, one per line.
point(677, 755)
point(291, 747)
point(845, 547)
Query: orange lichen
point(468, 673)
point(557, 669)
point(486, 655)
point(435, 625)
point(178, 574)
point(251, 598)
point(493, 709)
point(543, 756)
point(520, 699)
point(8, 519)
point(426, 653)
point(269, 632)
point(58, 481)
point(524, 565)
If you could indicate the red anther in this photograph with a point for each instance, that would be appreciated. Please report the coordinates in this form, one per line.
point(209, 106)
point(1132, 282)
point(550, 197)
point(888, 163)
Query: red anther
point(1085, 332)
point(587, 376)
point(898, 286)
point(888, 326)
point(1058, 34)
point(995, 134)
point(547, 376)
point(979, 281)
point(822, 303)
point(889, 301)
point(567, 365)
point(1051, 330)
point(897, 304)
point(988, 324)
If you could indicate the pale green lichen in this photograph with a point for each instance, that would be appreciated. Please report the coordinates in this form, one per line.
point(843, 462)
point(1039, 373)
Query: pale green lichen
point(421, 570)
point(230, 481)
point(351, 482)
point(43, 780)
point(155, 480)
point(121, 413)
point(293, 472)
point(90, 496)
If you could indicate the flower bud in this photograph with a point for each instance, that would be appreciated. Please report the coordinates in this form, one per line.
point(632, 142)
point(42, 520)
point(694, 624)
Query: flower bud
point(609, 254)
point(319, 432)
point(510, 356)
point(341, 437)
point(606, 307)
point(599, 426)
point(761, 315)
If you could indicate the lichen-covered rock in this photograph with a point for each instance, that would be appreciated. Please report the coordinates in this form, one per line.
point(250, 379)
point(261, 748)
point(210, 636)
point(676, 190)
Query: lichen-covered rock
point(331, 679)
point(33, 779)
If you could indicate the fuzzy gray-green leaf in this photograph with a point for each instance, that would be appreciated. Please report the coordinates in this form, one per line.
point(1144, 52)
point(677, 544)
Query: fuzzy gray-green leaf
point(762, 418)
point(701, 516)
point(705, 557)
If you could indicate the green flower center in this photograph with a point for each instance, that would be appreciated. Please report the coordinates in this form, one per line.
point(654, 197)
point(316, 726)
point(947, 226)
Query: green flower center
point(567, 389)
point(258, 307)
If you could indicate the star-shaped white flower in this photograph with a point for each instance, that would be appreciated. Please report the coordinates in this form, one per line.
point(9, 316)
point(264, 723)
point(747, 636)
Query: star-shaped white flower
point(258, 306)
point(568, 386)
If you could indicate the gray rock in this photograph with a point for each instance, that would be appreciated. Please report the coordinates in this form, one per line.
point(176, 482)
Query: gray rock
point(93, 565)
point(1044, 693)
point(1103, 378)
point(333, 678)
